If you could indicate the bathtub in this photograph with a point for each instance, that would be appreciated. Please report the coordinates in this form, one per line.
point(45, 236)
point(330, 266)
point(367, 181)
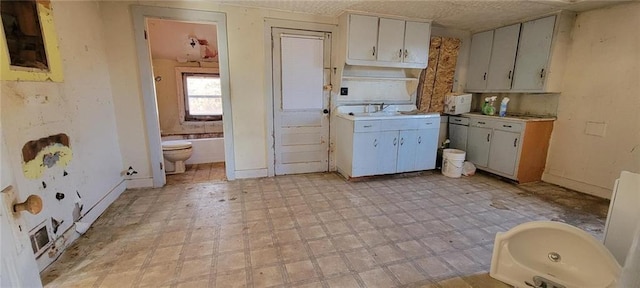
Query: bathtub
point(205, 150)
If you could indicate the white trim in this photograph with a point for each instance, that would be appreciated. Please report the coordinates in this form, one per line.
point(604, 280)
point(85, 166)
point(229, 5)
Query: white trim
point(253, 173)
point(140, 13)
point(139, 183)
point(270, 23)
point(70, 235)
point(578, 186)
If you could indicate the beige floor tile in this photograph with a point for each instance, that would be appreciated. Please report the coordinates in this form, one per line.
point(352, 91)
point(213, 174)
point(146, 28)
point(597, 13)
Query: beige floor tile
point(321, 247)
point(117, 280)
point(361, 260)
point(332, 264)
point(201, 283)
point(299, 271)
point(198, 249)
point(347, 242)
point(376, 278)
point(166, 254)
point(195, 268)
point(293, 252)
point(385, 254)
point(267, 277)
point(231, 243)
point(230, 262)
point(264, 256)
point(343, 282)
point(406, 273)
point(157, 276)
point(232, 280)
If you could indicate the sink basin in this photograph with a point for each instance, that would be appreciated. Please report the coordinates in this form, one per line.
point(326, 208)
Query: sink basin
point(378, 114)
point(552, 252)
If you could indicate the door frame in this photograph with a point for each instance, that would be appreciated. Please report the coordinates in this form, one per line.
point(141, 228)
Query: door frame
point(269, 24)
point(150, 103)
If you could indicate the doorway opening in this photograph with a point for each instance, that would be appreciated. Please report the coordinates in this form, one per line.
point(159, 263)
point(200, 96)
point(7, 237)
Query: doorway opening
point(188, 91)
point(183, 62)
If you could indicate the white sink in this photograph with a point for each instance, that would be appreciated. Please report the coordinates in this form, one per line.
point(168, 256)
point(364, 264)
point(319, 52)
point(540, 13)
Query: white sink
point(554, 252)
point(378, 114)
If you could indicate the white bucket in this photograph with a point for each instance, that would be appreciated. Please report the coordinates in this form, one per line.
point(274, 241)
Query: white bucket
point(452, 160)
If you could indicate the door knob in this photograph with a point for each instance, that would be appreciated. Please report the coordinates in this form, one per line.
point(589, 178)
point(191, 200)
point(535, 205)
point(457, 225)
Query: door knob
point(325, 111)
point(33, 205)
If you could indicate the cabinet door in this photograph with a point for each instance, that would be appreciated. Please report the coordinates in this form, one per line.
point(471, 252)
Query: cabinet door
point(365, 153)
point(533, 54)
point(390, 40)
point(458, 136)
point(387, 153)
point(426, 149)
point(503, 57)
point(478, 143)
point(504, 151)
point(363, 37)
point(416, 42)
point(407, 151)
point(479, 58)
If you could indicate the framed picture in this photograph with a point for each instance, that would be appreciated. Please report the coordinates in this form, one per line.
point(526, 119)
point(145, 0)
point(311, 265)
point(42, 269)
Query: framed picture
point(29, 45)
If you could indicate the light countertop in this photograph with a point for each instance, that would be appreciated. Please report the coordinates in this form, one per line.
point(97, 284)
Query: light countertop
point(385, 116)
point(511, 117)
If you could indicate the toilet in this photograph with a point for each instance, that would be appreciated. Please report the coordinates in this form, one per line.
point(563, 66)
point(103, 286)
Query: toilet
point(175, 152)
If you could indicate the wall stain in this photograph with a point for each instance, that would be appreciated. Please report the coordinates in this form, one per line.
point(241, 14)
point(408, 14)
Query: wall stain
point(45, 153)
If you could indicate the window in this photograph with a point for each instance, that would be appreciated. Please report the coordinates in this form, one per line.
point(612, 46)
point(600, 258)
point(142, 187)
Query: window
point(202, 97)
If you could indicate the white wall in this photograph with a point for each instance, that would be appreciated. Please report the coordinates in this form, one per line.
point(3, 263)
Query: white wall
point(247, 79)
point(80, 107)
point(601, 84)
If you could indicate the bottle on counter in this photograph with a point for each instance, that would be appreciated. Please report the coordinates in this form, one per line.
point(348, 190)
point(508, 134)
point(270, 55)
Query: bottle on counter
point(503, 107)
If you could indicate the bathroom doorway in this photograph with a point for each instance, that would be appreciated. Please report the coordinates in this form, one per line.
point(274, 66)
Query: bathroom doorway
point(187, 97)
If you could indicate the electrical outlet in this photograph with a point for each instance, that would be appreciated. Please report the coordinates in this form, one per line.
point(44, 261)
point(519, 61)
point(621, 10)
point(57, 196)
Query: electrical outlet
point(344, 91)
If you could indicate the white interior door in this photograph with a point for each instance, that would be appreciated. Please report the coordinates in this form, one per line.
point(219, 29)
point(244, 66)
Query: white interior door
point(301, 69)
point(18, 266)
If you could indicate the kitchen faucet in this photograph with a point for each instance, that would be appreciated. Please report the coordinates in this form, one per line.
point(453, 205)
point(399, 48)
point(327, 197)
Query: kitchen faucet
point(382, 107)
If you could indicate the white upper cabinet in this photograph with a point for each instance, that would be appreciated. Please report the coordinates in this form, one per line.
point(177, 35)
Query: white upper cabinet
point(479, 61)
point(363, 37)
point(390, 40)
point(386, 42)
point(503, 56)
point(524, 57)
point(417, 36)
point(533, 54)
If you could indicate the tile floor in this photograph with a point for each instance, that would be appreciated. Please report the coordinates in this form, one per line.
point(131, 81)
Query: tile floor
point(313, 230)
point(196, 173)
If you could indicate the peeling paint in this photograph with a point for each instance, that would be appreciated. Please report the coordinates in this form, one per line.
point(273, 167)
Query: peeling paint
point(55, 154)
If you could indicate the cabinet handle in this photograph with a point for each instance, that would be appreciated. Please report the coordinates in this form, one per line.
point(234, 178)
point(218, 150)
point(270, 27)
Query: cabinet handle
point(515, 142)
point(509, 77)
point(406, 53)
point(485, 76)
point(488, 137)
point(481, 122)
point(542, 73)
point(375, 142)
point(457, 120)
point(419, 139)
point(507, 126)
point(400, 54)
point(366, 126)
point(401, 141)
point(395, 141)
point(374, 51)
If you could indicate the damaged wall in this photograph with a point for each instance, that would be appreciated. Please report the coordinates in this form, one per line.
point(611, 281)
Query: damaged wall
point(597, 134)
point(77, 170)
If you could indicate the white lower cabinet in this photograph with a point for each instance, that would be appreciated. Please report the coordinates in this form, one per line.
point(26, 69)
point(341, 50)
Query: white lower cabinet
point(478, 144)
point(379, 147)
point(504, 151)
